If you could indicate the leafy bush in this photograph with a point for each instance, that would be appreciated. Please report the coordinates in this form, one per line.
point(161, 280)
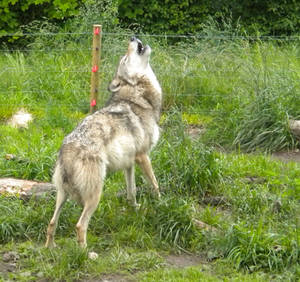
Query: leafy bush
point(267, 17)
point(14, 13)
point(167, 16)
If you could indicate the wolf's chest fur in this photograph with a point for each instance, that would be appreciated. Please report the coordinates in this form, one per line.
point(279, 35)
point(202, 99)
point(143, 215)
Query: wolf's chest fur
point(127, 126)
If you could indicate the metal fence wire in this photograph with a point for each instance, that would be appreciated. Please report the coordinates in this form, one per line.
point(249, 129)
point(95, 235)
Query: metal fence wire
point(86, 69)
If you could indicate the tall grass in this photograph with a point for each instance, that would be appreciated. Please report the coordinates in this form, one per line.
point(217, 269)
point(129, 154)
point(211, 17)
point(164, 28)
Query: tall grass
point(242, 93)
point(249, 90)
point(190, 167)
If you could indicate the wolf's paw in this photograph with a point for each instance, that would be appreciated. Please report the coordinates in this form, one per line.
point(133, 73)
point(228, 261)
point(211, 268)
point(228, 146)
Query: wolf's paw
point(157, 195)
point(50, 244)
point(133, 204)
point(92, 255)
point(137, 206)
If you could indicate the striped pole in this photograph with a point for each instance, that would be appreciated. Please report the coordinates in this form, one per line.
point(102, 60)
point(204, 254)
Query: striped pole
point(96, 53)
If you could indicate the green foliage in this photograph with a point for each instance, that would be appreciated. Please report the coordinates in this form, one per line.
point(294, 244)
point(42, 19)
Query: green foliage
point(95, 12)
point(167, 16)
point(14, 13)
point(185, 17)
point(265, 17)
point(176, 17)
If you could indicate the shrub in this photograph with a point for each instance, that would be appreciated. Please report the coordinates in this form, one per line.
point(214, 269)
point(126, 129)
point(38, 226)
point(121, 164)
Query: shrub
point(268, 17)
point(14, 13)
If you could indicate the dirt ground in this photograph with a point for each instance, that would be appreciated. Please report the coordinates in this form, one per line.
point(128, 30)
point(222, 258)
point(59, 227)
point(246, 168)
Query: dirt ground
point(10, 259)
point(293, 156)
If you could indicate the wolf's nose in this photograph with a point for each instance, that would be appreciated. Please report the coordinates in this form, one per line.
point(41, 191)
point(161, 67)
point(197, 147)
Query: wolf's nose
point(133, 38)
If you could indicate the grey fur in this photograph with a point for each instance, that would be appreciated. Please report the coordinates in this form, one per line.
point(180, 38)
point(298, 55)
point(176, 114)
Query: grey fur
point(115, 137)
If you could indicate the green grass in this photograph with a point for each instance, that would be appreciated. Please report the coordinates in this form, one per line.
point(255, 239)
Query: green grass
point(241, 93)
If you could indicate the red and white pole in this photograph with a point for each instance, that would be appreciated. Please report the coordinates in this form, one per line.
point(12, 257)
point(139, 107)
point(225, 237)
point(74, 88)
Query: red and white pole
point(96, 53)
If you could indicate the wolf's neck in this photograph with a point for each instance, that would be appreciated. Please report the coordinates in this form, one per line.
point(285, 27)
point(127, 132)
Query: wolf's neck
point(153, 80)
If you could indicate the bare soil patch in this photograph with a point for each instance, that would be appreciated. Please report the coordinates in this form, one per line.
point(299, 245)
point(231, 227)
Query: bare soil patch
point(292, 156)
point(109, 278)
point(184, 260)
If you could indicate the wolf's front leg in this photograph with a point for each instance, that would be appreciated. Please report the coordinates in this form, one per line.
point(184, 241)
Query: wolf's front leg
point(131, 188)
point(144, 162)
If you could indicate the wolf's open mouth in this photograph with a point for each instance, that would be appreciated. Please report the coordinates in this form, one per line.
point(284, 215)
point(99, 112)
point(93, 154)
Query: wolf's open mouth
point(140, 48)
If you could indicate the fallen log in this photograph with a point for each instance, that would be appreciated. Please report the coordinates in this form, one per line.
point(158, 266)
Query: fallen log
point(25, 189)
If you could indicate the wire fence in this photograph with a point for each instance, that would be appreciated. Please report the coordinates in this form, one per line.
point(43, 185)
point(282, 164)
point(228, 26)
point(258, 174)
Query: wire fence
point(86, 69)
point(126, 34)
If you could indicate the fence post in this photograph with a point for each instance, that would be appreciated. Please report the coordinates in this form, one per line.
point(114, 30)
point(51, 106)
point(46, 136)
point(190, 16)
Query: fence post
point(96, 53)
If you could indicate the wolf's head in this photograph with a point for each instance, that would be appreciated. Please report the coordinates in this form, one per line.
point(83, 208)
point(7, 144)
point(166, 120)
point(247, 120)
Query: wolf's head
point(133, 66)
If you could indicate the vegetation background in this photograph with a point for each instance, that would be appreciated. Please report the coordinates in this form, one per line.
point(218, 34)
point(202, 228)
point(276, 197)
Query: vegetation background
point(229, 90)
point(272, 17)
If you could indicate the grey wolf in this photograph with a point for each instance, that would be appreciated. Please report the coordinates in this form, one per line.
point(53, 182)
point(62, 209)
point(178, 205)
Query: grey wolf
point(113, 138)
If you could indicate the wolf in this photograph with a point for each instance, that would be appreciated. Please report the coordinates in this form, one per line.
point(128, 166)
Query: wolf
point(113, 138)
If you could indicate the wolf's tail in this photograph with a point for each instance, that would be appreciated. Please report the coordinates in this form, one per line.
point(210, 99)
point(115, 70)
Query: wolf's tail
point(79, 172)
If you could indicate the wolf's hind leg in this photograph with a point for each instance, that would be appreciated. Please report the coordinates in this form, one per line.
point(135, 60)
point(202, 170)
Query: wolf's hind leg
point(61, 197)
point(131, 188)
point(144, 162)
point(90, 205)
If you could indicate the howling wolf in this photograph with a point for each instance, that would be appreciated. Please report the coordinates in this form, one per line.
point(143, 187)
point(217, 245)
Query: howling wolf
point(113, 138)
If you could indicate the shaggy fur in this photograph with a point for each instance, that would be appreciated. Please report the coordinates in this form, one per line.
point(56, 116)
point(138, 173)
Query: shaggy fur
point(113, 138)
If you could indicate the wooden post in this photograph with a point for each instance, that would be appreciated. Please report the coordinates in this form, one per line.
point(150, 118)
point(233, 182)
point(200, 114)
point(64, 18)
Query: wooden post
point(96, 52)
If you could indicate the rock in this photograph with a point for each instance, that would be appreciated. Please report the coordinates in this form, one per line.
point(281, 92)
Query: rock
point(20, 119)
point(92, 255)
point(277, 206)
point(40, 274)
point(294, 126)
point(203, 225)
point(10, 256)
point(215, 201)
point(7, 267)
point(26, 274)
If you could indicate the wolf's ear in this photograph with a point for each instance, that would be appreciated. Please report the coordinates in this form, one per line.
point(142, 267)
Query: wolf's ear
point(115, 85)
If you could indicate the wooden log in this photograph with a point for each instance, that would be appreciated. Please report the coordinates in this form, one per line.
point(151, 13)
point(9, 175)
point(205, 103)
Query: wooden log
point(25, 189)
